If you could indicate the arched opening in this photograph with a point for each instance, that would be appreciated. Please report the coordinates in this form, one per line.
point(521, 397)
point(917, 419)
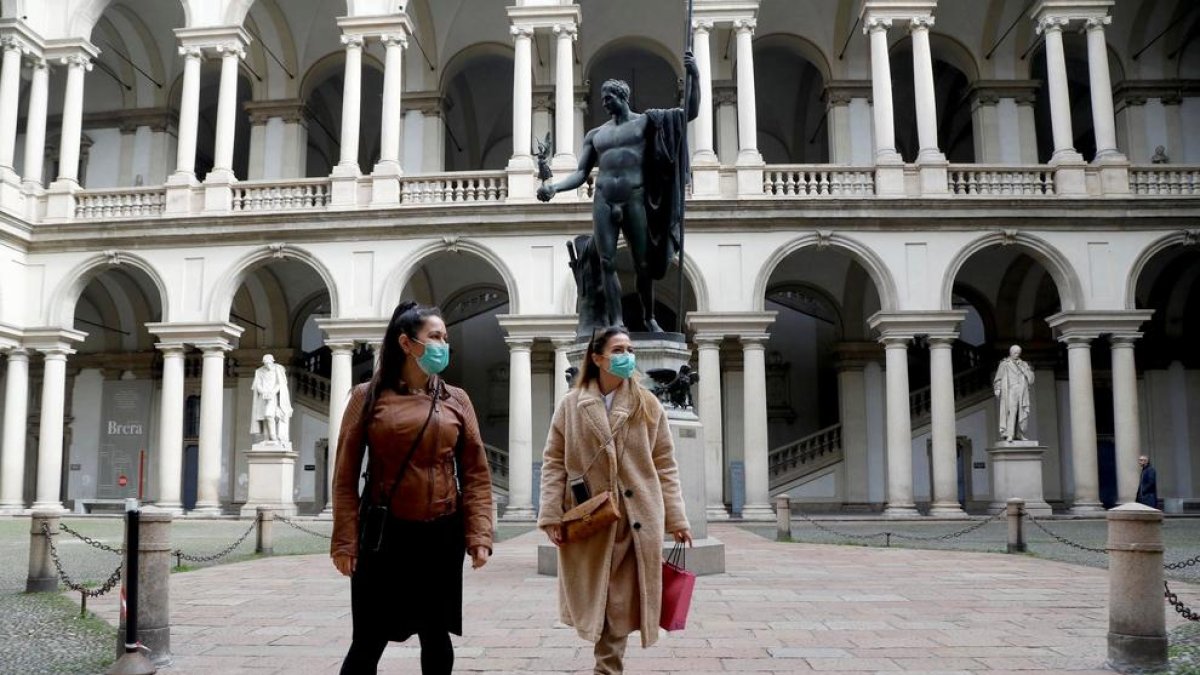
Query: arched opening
point(206, 130)
point(1169, 283)
point(470, 293)
point(322, 94)
point(820, 362)
point(477, 109)
point(110, 444)
point(653, 81)
point(1079, 90)
point(277, 304)
point(793, 129)
point(951, 85)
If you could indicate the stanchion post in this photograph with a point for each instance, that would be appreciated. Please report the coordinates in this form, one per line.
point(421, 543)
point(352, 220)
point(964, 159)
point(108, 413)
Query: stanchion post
point(131, 661)
point(264, 542)
point(42, 577)
point(783, 518)
point(1016, 525)
point(1137, 632)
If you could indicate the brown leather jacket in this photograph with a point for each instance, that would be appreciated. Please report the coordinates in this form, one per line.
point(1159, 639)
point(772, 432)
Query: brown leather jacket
point(428, 489)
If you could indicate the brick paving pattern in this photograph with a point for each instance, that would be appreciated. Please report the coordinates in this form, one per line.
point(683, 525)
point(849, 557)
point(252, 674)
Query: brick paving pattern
point(781, 608)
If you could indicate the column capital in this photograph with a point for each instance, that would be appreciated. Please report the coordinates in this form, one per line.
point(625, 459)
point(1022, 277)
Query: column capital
point(923, 22)
point(1097, 22)
point(290, 110)
point(171, 349)
point(520, 32)
point(352, 40)
point(191, 52)
point(48, 340)
point(939, 324)
point(708, 340)
point(336, 347)
point(745, 25)
point(876, 24)
point(15, 353)
point(235, 49)
point(566, 31)
point(393, 39)
point(754, 341)
point(519, 344)
point(1077, 341)
point(36, 61)
point(76, 61)
point(529, 327)
point(702, 25)
point(211, 38)
point(841, 92)
point(1123, 340)
point(1093, 324)
point(201, 335)
point(1051, 24)
point(12, 43)
point(350, 331)
point(942, 341)
point(895, 341)
point(730, 323)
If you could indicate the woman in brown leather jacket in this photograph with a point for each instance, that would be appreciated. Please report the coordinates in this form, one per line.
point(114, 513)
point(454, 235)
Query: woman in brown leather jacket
point(425, 452)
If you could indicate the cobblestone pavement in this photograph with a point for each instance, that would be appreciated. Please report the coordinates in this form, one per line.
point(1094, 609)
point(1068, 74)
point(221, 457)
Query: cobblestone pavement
point(782, 608)
point(42, 633)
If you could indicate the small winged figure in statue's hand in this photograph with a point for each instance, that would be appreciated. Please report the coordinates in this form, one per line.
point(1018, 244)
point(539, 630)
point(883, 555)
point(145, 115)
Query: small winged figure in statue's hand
point(674, 388)
point(544, 150)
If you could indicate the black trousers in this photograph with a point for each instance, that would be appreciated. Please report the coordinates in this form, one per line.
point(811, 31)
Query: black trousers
point(437, 654)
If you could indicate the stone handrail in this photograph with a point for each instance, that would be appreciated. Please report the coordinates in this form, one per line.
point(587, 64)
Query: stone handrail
point(289, 195)
point(789, 460)
point(498, 462)
point(1005, 181)
point(120, 203)
point(818, 180)
point(454, 188)
point(966, 383)
point(310, 386)
point(1164, 180)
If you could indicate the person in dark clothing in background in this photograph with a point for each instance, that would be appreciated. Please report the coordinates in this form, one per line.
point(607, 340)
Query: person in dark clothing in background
point(1148, 486)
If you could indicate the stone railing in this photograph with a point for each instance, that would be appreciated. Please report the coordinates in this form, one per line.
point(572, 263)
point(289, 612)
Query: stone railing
point(498, 463)
point(818, 181)
point(1164, 180)
point(1000, 181)
point(297, 194)
point(814, 451)
point(454, 188)
point(310, 387)
point(968, 385)
point(139, 202)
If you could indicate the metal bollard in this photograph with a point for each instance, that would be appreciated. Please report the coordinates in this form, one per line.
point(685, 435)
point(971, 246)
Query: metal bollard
point(153, 612)
point(42, 576)
point(783, 518)
point(132, 661)
point(1016, 525)
point(264, 542)
point(1137, 632)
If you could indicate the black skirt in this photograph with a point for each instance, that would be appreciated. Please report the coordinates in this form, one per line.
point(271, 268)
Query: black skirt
point(414, 582)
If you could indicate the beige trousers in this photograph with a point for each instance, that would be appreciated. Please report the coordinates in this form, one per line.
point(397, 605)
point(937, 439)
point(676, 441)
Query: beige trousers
point(610, 653)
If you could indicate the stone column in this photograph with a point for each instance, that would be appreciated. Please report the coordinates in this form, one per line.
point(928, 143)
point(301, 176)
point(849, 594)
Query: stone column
point(1060, 101)
point(1083, 425)
point(351, 102)
point(434, 159)
point(212, 408)
point(1027, 125)
point(386, 182)
point(754, 414)
point(189, 117)
point(1103, 118)
point(1125, 415)
point(852, 406)
point(50, 433)
point(170, 430)
point(944, 438)
point(750, 177)
point(931, 160)
point(222, 170)
point(710, 412)
point(340, 383)
point(35, 124)
point(705, 177)
point(564, 98)
point(899, 430)
point(10, 83)
point(522, 95)
point(561, 364)
point(12, 453)
point(72, 118)
point(520, 431)
point(889, 174)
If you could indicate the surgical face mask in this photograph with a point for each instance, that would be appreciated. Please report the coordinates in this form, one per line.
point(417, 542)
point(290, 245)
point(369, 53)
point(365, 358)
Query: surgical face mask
point(435, 359)
point(622, 365)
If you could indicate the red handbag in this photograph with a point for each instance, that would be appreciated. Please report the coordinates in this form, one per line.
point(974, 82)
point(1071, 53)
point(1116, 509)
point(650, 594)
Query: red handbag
point(677, 587)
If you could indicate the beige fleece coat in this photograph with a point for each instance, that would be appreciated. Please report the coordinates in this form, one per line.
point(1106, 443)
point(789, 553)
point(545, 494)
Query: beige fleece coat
point(584, 438)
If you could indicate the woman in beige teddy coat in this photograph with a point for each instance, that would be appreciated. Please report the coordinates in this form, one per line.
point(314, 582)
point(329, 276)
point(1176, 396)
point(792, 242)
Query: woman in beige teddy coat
point(613, 433)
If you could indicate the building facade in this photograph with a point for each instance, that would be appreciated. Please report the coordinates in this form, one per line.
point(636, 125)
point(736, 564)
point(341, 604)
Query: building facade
point(886, 194)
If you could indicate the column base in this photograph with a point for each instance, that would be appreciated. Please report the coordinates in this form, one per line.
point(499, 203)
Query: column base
point(51, 507)
point(1126, 652)
point(758, 512)
point(14, 510)
point(175, 509)
point(716, 512)
point(947, 510)
point(326, 513)
point(1070, 175)
point(60, 204)
point(749, 174)
point(343, 187)
point(1086, 508)
point(901, 511)
point(385, 184)
point(519, 514)
point(1114, 174)
point(205, 510)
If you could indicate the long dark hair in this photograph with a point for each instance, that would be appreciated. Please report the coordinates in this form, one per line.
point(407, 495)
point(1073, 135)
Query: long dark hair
point(591, 371)
point(407, 319)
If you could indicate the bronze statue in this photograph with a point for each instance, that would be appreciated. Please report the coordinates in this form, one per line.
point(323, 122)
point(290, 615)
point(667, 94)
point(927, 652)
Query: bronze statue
point(639, 192)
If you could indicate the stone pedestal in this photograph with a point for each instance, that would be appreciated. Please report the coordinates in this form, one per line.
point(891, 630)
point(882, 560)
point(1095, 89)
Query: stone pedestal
point(272, 474)
point(1017, 473)
point(1137, 632)
point(154, 588)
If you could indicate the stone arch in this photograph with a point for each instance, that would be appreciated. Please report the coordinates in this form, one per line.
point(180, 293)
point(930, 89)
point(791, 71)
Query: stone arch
point(856, 251)
point(801, 45)
point(60, 309)
point(1070, 290)
point(227, 285)
point(1182, 238)
point(398, 278)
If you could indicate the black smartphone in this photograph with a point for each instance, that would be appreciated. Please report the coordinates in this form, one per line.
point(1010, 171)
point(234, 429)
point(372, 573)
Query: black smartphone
point(579, 489)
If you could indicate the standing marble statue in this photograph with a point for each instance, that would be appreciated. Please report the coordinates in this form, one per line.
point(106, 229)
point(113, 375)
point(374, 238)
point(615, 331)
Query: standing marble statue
point(1013, 380)
point(272, 404)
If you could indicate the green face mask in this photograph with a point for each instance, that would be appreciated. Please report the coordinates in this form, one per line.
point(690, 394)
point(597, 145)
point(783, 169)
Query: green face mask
point(435, 359)
point(622, 365)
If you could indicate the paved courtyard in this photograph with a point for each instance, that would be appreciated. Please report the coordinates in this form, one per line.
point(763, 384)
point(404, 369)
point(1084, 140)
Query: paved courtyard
point(782, 608)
